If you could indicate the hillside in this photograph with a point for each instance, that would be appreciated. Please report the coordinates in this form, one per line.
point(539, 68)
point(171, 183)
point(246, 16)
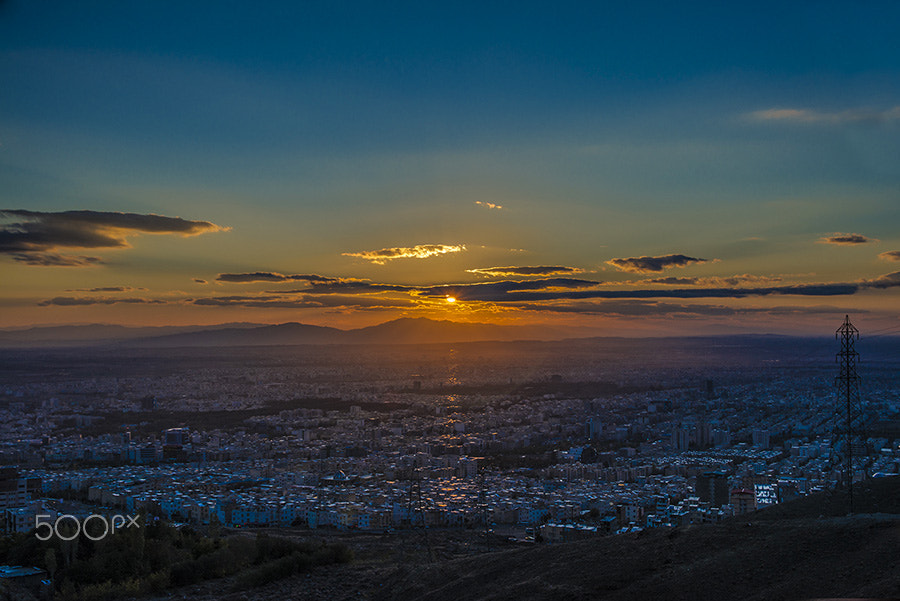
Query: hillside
point(91, 334)
point(787, 552)
point(805, 549)
point(398, 331)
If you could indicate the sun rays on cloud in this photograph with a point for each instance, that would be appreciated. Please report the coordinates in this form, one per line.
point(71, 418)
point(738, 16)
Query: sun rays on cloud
point(547, 296)
point(489, 205)
point(539, 270)
point(551, 295)
point(35, 238)
point(420, 251)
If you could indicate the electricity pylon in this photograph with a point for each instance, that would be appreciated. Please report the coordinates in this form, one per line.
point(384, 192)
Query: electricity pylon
point(848, 412)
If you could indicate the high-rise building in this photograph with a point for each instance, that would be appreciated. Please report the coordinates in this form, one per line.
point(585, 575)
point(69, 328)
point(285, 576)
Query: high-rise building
point(681, 438)
point(177, 436)
point(704, 435)
point(712, 488)
point(742, 500)
point(593, 428)
point(761, 438)
point(721, 438)
point(13, 490)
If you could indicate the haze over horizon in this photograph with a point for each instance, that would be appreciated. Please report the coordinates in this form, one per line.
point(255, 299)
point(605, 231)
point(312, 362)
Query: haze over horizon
point(644, 169)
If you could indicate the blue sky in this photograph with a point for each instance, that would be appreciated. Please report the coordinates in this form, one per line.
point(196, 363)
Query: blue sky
point(737, 133)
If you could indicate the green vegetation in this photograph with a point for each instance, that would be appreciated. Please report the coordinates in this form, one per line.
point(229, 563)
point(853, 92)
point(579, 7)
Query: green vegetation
point(157, 556)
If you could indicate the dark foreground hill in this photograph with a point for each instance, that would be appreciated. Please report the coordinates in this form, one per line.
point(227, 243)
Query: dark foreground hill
point(788, 552)
point(801, 550)
point(806, 549)
point(803, 559)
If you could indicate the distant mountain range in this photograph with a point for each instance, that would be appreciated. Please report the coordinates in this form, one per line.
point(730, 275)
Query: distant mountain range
point(398, 331)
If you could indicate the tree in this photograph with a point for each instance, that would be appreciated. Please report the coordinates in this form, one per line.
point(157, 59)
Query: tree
point(50, 562)
point(215, 525)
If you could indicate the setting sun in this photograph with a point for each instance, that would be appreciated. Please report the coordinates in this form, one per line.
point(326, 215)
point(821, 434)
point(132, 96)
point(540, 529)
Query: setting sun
point(450, 299)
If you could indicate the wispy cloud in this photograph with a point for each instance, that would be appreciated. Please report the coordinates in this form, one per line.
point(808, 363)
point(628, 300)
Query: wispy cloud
point(889, 280)
point(47, 259)
point(648, 308)
point(200, 281)
point(891, 255)
point(420, 251)
point(503, 290)
point(557, 289)
point(846, 239)
point(106, 289)
point(271, 276)
point(554, 295)
point(350, 286)
point(32, 237)
point(540, 270)
point(489, 205)
point(304, 302)
point(653, 264)
point(795, 115)
point(734, 280)
point(73, 301)
point(565, 289)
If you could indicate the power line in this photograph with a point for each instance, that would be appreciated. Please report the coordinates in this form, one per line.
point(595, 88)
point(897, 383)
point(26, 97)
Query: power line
point(882, 332)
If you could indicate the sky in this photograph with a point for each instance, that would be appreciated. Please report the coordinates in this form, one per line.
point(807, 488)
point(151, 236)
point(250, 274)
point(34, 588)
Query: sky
point(639, 168)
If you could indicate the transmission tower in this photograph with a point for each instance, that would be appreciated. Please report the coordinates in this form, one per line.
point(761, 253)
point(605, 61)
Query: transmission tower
point(848, 432)
point(416, 510)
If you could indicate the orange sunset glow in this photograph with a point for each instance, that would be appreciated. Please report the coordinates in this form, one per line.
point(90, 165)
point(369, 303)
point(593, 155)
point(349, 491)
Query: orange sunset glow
point(717, 193)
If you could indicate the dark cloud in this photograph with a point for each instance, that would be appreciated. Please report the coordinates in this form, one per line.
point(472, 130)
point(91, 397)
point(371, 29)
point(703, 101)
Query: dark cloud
point(846, 239)
point(800, 290)
point(672, 281)
point(734, 280)
point(305, 302)
point(542, 270)
point(653, 264)
point(645, 308)
point(630, 308)
point(891, 255)
point(519, 292)
point(200, 281)
point(271, 276)
point(45, 259)
point(348, 287)
point(256, 276)
point(106, 289)
point(28, 235)
point(73, 301)
point(503, 290)
point(889, 280)
point(549, 289)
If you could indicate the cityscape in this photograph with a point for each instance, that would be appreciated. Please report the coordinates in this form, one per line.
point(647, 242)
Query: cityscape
point(449, 301)
point(505, 443)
